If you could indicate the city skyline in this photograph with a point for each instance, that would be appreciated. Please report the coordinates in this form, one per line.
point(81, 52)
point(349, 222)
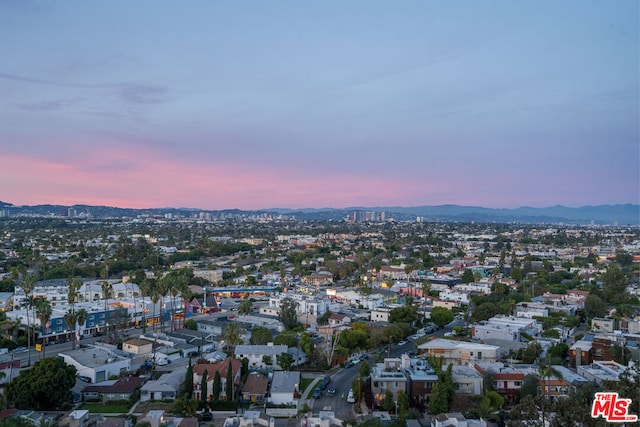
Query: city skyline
point(257, 105)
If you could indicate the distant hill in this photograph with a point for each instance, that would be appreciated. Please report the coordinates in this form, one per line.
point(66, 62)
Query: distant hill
point(626, 214)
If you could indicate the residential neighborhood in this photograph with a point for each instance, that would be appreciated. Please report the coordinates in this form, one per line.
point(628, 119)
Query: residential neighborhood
point(342, 324)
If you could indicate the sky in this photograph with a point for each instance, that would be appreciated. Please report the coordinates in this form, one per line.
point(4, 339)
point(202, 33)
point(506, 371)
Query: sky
point(300, 104)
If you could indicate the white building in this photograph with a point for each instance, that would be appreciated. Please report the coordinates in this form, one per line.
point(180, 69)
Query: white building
point(460, 352)
point(96, 363)
point(531, 310)
point(285, 387)
point(257, 353)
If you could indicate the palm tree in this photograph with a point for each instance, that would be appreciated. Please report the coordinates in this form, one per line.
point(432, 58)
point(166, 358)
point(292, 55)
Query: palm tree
point(155, 298)
point(81, 317)
point(70, 318)
point(43, 311)
point(546, 372)
point(27, 284)
point(245, 307)
point(232, 336)
point(74, 284)
point(107, 288)
point(145, 289)
point(162, 287)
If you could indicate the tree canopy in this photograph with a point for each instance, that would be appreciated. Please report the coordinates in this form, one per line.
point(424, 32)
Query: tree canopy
point(288, 314)
point(441, 316)
point(44, 387)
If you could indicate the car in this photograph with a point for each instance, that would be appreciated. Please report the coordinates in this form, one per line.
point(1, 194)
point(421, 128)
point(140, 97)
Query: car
point(348, 364)
point(206, 416)
point(317, 393)
point(85, 379)
point(350, 397)
point(325, 382)
point(448, 334)
point(331, 391)
point(402, 342)
point(364, 356)
point(19, 349)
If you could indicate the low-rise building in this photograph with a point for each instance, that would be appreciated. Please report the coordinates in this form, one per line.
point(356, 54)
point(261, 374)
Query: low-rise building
point(459, 352)
point(137, 346)
point(601, 371)
point(285, 387)
point(260, 356)
point(255, 389)
point(466, 380)
point(212, 368)
point(166, 387)
point(96, 364)
point(120, 389)
point(507, 380)
point(388, 376)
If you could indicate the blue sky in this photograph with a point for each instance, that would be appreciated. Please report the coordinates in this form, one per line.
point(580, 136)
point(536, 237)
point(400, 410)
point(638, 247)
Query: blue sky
point(257, 104)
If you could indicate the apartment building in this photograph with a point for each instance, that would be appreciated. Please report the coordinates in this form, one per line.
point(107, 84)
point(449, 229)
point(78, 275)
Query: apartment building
point(460, 352)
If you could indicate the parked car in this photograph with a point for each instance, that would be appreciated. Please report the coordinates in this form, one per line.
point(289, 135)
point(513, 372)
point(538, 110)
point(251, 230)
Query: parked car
point(364, 356)
point(317, 393)
point(85, 379)
point(206, 416)
point(325, 382)
point(348, 364)
point(402, 342)
point(350, 397)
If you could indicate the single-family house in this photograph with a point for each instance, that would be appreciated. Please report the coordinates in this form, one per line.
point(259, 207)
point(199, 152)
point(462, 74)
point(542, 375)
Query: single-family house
point(255, 388)
point(120, 389)
point(166, 387)
point(285, 387)
point(211, 369)
point(260, 356)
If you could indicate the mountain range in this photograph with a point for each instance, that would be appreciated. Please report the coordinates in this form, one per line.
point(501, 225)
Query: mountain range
point(621, 214)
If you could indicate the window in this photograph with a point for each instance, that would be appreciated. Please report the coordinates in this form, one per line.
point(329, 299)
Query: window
point(479, 355)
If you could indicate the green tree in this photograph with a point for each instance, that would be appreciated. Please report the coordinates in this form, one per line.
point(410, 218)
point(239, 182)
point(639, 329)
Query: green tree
point(594, 306)
point(288, 338)
point(260, 335)
point(245, 307)
point(229, 382)
point(217, 386)
point(407, 314)
point(620, 354)
point(203, 387)
point(190, 324)
point(44, 387)
point(614, 290)
point(188, 381)
point(288, 314)
point(467, 276)
point(441, 316)
point(43, 312)
point(285, 360)
point(232, 336)
point(491, 402)
point(364, 370)
point(484, 311)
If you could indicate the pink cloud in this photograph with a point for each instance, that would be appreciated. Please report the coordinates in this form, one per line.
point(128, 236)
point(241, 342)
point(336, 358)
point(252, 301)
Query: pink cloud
point(139, 177)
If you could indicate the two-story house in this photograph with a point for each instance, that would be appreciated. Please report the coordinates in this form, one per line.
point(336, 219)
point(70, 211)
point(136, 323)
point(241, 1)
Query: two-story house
point(211, 369)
